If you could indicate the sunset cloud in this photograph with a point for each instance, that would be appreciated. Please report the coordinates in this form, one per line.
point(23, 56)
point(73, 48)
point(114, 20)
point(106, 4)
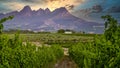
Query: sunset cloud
point(53, 4)
point(36, 4)
point(71, 5)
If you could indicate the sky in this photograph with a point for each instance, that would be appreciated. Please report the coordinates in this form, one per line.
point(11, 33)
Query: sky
point(76, 7)
point(71, 5)
point(10, 5)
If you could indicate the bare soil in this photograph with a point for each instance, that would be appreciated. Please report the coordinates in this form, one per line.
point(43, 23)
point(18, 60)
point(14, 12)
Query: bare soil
point(66, 62)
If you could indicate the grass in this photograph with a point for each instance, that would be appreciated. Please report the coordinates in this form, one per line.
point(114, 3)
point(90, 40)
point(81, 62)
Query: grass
point(36, 37)
point(54, 38)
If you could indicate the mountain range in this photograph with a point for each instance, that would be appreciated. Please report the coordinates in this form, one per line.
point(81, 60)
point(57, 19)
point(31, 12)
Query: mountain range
point(46, 20)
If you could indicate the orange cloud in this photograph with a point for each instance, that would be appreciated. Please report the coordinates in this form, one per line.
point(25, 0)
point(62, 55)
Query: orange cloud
point(53, 4)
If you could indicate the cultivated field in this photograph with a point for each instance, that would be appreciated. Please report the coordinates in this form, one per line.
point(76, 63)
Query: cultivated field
point(55, 38)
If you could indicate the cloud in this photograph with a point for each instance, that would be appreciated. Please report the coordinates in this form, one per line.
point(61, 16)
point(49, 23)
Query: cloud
point(53, 4)
point(18, 5)
point(4, 0)
point(14, 5)
point(70, 4)
point(32, 1)
point(36, 4)
point(3, 10)
point(70, 7)
point(97, 8)
point(114, 9)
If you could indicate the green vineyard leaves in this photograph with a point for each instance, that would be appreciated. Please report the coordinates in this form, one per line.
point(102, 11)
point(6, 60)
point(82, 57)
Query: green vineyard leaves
point(3, 20)
point(15, 54)
point(103, 52)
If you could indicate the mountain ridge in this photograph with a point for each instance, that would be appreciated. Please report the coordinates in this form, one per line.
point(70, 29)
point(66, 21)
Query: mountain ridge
point(46, 20)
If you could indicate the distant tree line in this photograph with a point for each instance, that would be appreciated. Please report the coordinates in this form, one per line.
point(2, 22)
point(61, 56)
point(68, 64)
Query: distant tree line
point(69, 30)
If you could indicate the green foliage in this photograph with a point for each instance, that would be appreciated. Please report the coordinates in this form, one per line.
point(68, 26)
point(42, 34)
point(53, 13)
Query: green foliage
point(59, 39)
point(104, 52)
point(15, 54)
point(84, 55)
point(111, 28)
point(4, 20)
point(61, 31)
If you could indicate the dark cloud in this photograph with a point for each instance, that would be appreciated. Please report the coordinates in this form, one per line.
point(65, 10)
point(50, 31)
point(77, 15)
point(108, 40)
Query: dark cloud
point(97, 8)
point(114, 9)
point(32, 1)
point(4, 0)
point(28, 0)
point(93, 9)
point(70, 7)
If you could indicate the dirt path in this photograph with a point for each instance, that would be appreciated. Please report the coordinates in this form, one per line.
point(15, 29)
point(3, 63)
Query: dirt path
point(66, 62)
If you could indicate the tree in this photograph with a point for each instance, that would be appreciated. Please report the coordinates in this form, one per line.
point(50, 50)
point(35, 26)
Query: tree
point(61, 31)
point(4, 20)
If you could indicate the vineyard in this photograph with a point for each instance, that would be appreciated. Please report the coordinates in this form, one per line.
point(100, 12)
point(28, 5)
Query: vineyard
point(85, 51)
point(51, 38)
point(103, 52)
point(14, 54)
